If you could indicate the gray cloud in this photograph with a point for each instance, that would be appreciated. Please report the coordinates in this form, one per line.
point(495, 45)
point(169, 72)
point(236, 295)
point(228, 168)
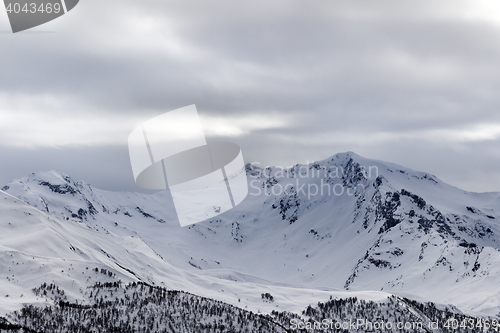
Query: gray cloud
point(410, 82)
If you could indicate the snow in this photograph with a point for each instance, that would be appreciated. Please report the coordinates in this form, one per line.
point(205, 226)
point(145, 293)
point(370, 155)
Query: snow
point(301, 248)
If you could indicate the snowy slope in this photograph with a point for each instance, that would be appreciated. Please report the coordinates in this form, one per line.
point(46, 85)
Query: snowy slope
point(376, 226)
point(38, 248)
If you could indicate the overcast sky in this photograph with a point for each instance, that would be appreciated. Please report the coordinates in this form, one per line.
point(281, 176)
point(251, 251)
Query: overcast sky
point(411, 82)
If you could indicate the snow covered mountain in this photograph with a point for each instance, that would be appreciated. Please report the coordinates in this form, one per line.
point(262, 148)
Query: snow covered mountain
point(38, 249)
point(337, 227)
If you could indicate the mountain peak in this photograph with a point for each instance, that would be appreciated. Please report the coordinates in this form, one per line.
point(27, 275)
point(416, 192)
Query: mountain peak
point(52, 177)
point(347, 154)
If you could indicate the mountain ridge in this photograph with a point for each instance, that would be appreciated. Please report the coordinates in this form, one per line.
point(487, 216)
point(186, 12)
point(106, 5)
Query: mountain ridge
point(397, 230)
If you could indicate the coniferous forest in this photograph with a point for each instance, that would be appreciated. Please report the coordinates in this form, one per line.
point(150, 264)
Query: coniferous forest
point(142, 308)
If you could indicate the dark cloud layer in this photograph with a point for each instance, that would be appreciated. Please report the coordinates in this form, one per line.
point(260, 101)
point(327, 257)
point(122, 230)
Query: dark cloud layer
point(413, 82)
